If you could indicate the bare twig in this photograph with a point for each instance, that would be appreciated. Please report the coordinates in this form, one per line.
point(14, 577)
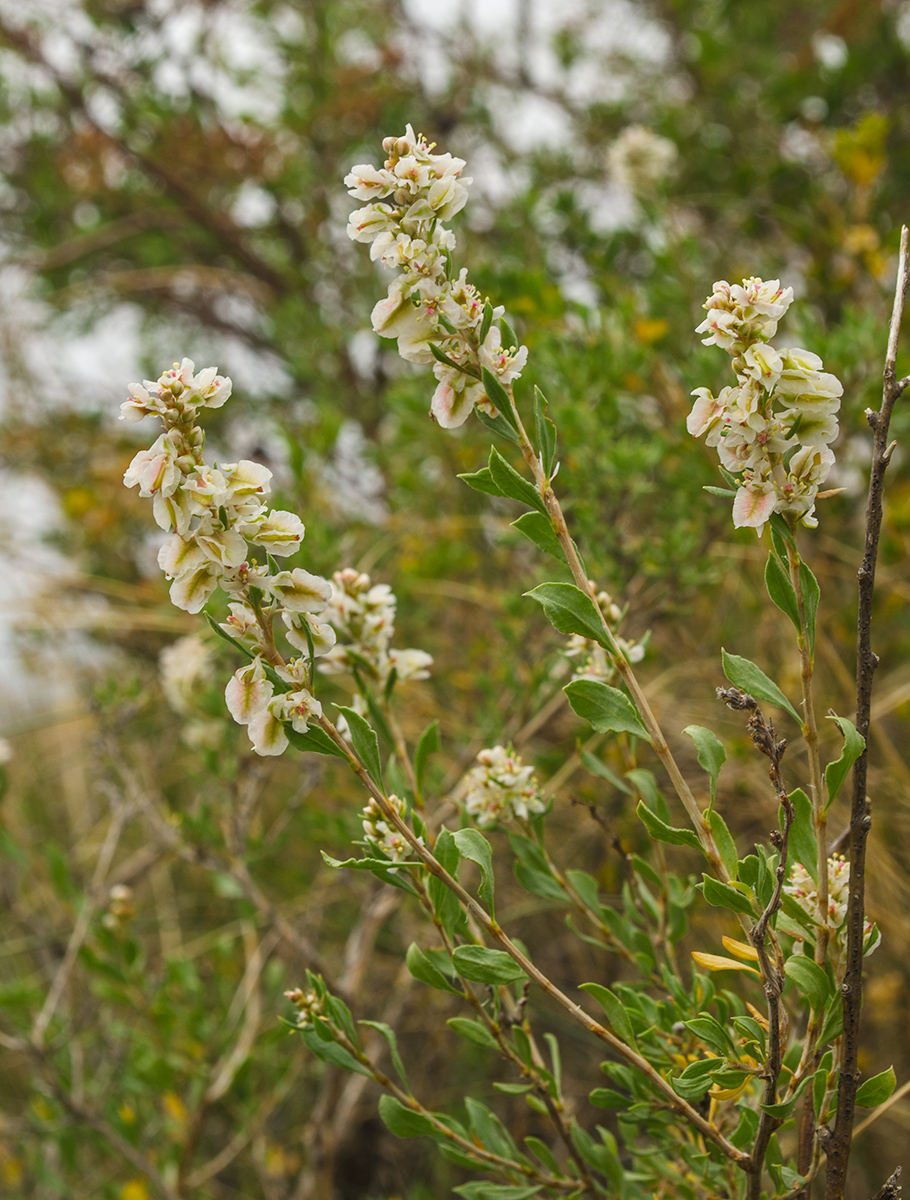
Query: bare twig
point(838, 1143)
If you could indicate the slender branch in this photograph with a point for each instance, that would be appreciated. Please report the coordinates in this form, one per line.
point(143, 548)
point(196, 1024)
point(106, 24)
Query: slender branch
point(479, 913)
point(838, 1143)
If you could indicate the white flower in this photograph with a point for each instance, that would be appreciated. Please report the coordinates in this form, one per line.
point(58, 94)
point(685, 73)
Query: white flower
point(185, 666)
point(639, 158)
point(155, 470)
point(383, 834)
point(280, 532)
point(410, 664)
point(299, 591)
point(248, 692)
point(501, 787)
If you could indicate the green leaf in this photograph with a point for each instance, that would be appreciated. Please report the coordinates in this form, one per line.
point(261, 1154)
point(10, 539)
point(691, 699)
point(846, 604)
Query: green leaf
point(365, 743)
point(721, 895)
point(833, 1024)
point(836, 772)
point(810, 979)
point(332, 1053)
point(811, 593)
point(538, 529)
point(509, 340)
point(508, 1089)
point(487, 322)
point(746, 675)
point(539, 883)
point(711, 1032)
point(607, 1098)
point(875, 1091)
point(402, 1121)
point(781, 590)
point(662, 832)
point(544, 1153)
point(718, 491)
point(513, 485)
point(481, 481)
point(803, 847)
point(546, 432)
point(421, 968)
point(710, 751)
point(596, 767)
point(498, 395)
point(606, 708)
point(429, 744)
point(614, 1008)
point(225, 636)
point(498, 425)
point(389, 1034)
point(446, 904)
point(569, 610)
point(475, 847)
point(725, 844)
point(482, 965)
point(494, 1191)
point(472, 1031)
point(780, 1111)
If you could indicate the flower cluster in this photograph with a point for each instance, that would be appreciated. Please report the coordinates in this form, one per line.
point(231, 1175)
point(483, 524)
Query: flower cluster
point(436, 319)
point(775, 426)
point(309, 1005)
point(362, 614)
point(501, 787)
point(381, 834)
point(223, 535)
point(640, 158)
point(804, 890)
point(592, 661)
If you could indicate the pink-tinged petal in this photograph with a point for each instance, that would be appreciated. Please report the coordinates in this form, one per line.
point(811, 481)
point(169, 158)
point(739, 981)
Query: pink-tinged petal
point(705, 409)
point(752, 509)
point(224, 547)
point(450, 408)
point(192, 589)
point(248, 693)
point(267, 734)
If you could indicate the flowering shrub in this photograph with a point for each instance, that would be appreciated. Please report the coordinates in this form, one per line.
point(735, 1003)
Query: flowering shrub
point(715, 1090)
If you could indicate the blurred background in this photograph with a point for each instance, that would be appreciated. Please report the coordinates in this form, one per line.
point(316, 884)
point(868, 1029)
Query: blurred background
point(170, 185)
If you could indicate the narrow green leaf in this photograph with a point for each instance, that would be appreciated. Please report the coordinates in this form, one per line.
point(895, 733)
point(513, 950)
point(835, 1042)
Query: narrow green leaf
point(780, 589)
point(487, 322)
point(482, 481)
point(546, 432)
point(428, 744)
point(482, 965)
point(711, 1032)
point(833, 1024)
point(495, 1191)
point(596, 767)
point(810, 980)
point(509, 1089)
point(746, 675)
point(555, 1058)
point(472, 1031)
point(569, 610)
point(725, 844)
point(544, 1153)
point(607, 1098)
point(875, 1091)
point(718, 491)
point(365, 743)
point(721, 895)
point(315, 741)
point(710, 751)
point(836, 772)
point(811, 593)
point(498, 425)
point(606, 708)
point(421, 968)
point(332, 1053)
point(539, 529)
point(662, 832)
point(474, 846)
point(442, 357)
point(509, 340)
point(780, 1111)
point(403, 1122)
point(803, 846)
point(614, 1009)
point(498, 395)
point(389, 1034)
point(512, 484)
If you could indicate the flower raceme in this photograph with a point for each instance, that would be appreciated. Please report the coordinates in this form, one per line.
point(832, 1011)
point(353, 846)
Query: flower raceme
point(222, 534)
point(435, 318)
point(501, 788)
point(774, 428)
